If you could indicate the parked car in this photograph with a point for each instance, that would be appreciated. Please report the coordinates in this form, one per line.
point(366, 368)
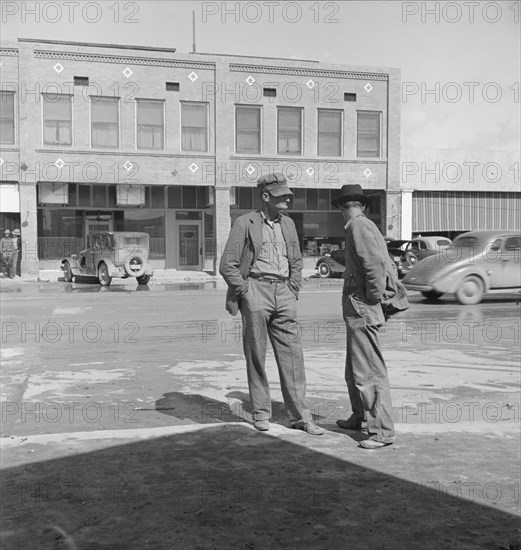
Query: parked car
point(476, 263)
point(111, 254)
point(333, 263)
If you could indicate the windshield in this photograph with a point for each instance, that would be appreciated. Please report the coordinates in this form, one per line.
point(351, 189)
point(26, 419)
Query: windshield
point(466, 242)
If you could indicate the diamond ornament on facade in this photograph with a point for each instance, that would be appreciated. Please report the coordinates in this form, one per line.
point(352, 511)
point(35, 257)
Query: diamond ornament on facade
point(193, 168)
point(128, 166)
point(128, 72)
point(1, 162)
point(310, 84)
point(193, 77)
point(368, 87)
point(310, 171)
point(367, 172)
point(59, 164)
point(250, 80)
point(58, 68)
point(250, 170)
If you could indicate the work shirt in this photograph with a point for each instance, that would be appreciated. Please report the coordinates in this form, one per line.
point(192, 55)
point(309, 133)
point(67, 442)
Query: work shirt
point(273, 257)
point(8, 245)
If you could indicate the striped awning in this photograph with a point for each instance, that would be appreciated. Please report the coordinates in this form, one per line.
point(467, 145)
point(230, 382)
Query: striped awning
point(465, 211)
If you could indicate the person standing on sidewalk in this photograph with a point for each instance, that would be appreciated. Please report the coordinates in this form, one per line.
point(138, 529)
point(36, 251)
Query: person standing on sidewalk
point(262, 266)
point(17, 258)
point(7, 247)
point(365, 277)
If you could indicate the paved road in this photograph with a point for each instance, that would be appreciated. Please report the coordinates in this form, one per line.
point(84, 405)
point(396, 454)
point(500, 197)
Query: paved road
point(86, 369)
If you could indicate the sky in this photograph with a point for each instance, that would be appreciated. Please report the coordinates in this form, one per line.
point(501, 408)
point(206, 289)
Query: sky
point(460, 62)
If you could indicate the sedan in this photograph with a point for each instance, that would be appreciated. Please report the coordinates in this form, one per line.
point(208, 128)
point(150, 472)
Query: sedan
point(478, 262)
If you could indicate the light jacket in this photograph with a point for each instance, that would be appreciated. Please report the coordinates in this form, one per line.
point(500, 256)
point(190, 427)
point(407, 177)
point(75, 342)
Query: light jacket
point(242, 249)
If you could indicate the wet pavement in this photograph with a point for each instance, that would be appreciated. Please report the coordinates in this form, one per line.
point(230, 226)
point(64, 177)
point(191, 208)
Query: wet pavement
point(126, 424)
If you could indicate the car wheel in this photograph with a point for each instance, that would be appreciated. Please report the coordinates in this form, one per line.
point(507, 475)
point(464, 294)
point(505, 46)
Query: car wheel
point(411, 258)
point(67, 272)
point(324, 270)
point(103, 275)
point(143, 279)
point(470, 291)
point(432, 294)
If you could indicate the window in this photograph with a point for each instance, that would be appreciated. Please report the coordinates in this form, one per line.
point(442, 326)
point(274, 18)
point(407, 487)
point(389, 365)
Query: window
point(248, 134)
point(289, 127)
point(57, 119)
point(513, 243)
point(172, 86)
point(81, 80)
point(329, 133)
point(368, 138)
point(104, 121)
point(349, 96)
point(7, 117)
point(194, 127)
point(150, 124)
point(269, 92)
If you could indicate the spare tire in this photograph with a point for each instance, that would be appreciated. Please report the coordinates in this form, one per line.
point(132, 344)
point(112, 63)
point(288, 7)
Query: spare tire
point(135, 266)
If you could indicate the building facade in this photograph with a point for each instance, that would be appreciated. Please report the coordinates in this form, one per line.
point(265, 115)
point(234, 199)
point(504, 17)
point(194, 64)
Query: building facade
point(146, 139)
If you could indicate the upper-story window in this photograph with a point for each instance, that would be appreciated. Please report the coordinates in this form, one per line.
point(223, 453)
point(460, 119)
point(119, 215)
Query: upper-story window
point(247, 129)
point(7, 117)
point(289, 131)
point(150, 124)
point(57, 119)
point(194, 126)
point(329, 139)
point(104, 120)
point(368, 134)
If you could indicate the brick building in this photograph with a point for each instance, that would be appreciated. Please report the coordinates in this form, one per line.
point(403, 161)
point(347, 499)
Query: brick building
point(115, 137)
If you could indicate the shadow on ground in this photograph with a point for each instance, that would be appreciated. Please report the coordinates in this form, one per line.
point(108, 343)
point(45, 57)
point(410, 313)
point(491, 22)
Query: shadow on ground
point(230, 487)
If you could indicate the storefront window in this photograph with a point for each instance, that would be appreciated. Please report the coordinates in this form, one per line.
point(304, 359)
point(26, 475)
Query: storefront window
point(151, 222)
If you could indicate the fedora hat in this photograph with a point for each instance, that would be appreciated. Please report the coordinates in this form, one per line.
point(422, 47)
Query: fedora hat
point(351, 192)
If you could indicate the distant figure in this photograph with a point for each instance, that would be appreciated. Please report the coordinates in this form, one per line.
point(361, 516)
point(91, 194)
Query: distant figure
point(7, 247)
point(262, 265)
point(17, 261)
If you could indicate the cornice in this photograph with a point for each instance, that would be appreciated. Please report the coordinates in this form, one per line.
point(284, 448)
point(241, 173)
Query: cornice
point(9, 51)
point(297, 71)
point(122, 60)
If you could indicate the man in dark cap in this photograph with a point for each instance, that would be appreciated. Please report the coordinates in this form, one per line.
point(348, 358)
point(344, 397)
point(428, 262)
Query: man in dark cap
point(262, 265)
point(17, 257)
point(367, 267)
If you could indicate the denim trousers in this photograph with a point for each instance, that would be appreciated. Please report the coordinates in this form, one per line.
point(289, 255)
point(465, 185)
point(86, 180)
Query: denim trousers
point(270, 310)
point(365, 369)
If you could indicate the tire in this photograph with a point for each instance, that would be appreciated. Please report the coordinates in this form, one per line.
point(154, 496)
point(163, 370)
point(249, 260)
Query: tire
point(324, 270)
point(470, 291)
point(432, 294)
point(411, 258)
point(67, 272)
point(143, 279)
point(103, 275)
point(135, 266)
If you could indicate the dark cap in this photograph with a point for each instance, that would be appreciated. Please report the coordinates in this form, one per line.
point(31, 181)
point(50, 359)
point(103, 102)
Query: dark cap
point(274, 183)
point(351, 192)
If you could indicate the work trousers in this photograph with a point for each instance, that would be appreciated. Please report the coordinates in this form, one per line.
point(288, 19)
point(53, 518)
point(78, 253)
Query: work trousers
point(8, 259)
point(270, 309)
point(365, 369)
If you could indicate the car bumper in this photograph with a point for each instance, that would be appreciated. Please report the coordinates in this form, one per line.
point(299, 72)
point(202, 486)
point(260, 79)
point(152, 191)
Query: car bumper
point(419, 288)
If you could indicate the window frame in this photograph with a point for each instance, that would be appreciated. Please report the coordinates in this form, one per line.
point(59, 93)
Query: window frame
point(258, 108)
point(358, 135)
point(117, 101)
point(163, 126)
point(71, 102)
point(301, 110)
point(340, 112)
point(207, 136)
point(10, 93)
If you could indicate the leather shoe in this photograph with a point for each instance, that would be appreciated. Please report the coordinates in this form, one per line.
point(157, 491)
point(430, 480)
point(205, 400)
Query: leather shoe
point(374, 444)
point(350, 424)
point(262, 425)
point(309, 427)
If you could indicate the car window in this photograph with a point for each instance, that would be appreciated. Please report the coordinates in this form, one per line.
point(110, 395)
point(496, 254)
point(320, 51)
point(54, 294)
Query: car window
point(466, 242)
point(496, 245)
point(442, 242)
point(513, 243)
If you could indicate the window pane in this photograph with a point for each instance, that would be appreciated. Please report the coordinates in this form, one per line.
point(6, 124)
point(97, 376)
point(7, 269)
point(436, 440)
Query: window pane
point(6, 105)
point(248, 129)
point(329, 132)
point(194, 127)
point(57, 119)
point(189, 197)
point(105, 122)
point(150, 130)
point(84, 195)
point(174, 197)
point(99, 195)
point(245, 199)
point(299, 199)
point(57, 107)
point(289, 130)
point(368, 135)
point(323, 199)
point(158, 196)
point(312, 199)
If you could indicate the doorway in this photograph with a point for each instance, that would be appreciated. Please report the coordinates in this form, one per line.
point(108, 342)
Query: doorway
point(189, 244)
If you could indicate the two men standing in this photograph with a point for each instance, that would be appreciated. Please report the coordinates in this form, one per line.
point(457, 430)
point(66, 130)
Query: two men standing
point(9, 248)
point(262, 265)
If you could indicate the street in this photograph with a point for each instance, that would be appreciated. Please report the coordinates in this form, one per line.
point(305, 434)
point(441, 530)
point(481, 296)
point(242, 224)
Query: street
point(120, 408)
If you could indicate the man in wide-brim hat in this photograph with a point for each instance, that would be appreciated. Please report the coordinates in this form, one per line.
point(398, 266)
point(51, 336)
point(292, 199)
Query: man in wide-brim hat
point(367, 266)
